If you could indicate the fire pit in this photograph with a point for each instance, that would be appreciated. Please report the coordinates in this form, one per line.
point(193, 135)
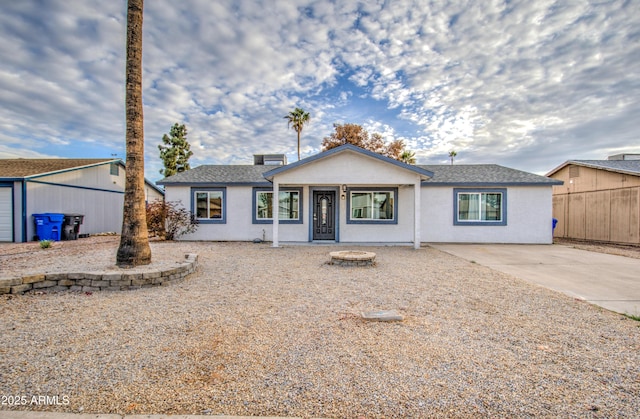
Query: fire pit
point(352, 258)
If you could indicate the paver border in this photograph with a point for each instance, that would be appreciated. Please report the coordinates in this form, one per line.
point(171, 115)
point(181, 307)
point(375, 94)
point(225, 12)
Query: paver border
point(99, 280)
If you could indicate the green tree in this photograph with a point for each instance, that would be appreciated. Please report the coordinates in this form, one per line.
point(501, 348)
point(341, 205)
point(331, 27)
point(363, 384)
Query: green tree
point(176, 151)
point(356, 135)
point(408, 157)
point(297, 119)
point(452, 154)
point(134, 246)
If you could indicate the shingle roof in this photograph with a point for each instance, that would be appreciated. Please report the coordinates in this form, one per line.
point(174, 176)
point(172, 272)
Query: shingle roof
point(631, 167)
point(219, 174)
point(483, 174)
point(20, 168)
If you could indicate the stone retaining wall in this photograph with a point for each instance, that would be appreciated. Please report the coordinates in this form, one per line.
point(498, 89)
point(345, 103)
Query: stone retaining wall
point(98, 281)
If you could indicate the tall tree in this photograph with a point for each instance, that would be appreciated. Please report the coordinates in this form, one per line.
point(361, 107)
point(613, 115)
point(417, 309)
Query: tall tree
point(134, 242)
point(176, 151)
point(356, 135)
point(452, 154)
point(297, 119)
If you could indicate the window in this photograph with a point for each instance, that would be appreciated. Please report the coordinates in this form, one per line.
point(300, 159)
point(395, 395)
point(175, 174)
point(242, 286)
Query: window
point(114, 169)
point(480, 207)
point(209, 205)
point(288, 206)
point(372, 206)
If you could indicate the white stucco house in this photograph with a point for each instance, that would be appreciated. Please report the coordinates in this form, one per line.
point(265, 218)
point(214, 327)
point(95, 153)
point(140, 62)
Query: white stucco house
point(93, 188)
point(348, 194)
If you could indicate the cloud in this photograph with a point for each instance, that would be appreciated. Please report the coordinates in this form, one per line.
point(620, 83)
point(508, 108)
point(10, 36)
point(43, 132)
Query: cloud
point(497, 81)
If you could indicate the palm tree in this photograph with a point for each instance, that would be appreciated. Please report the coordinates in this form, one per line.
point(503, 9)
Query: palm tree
point(134, 241)
point(297, 119)
point(408, 157)
point(452, 154)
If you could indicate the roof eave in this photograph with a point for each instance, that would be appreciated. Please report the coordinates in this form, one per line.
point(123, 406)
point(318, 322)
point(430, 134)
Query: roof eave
point(492, 184)
point(72, 169)
point(592, 166)
point(213, 184)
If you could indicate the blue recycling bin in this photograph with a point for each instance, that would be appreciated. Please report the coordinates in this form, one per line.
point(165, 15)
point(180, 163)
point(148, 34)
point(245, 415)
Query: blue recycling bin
point(554, 222)
point(48, 226)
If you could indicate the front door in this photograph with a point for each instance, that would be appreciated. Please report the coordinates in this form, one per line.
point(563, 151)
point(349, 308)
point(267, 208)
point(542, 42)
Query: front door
point(324, 220)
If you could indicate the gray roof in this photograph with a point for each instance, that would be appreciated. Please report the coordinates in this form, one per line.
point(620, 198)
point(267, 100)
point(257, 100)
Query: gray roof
point(237, 174)
point(483, 174)
point(630, 167)
point(22, 168)
point(444, 175)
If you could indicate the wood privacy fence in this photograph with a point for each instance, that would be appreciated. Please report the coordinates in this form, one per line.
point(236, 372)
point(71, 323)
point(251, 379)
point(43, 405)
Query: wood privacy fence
point(608, 215)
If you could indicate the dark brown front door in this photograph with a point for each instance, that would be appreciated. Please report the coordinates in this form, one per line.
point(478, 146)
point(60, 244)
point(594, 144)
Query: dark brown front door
point(324, 219)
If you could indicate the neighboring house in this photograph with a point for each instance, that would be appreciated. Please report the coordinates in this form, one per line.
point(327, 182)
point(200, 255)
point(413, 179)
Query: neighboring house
point(600, 199)
point(349, 194)
point(91, 187)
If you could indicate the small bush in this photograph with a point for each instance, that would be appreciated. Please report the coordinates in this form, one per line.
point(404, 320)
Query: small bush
point(45, 244)
point(169, 220)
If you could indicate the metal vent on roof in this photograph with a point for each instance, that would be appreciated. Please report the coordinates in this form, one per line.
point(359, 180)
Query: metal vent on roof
point(269, 159)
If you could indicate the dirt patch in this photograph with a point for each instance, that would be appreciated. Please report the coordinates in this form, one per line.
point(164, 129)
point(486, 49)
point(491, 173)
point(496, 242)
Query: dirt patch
point(627, 250)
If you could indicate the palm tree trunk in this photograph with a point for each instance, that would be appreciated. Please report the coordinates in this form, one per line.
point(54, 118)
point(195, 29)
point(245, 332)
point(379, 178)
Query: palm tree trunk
point(134, 242)
point(298, 145)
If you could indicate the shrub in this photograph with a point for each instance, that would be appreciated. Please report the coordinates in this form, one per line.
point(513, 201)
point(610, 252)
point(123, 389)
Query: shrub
point(45, 244)
point(169, 220)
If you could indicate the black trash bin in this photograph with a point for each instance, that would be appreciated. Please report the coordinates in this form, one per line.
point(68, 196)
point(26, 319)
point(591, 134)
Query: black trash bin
point(71, 226)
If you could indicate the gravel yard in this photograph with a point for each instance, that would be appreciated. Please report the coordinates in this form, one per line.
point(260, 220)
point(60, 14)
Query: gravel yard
point(264, 331)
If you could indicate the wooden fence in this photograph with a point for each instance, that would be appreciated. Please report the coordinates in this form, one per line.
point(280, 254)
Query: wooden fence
point(609, 215)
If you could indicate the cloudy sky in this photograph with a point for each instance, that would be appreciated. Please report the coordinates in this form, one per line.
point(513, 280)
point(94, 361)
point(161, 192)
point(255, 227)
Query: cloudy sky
point(525, 84)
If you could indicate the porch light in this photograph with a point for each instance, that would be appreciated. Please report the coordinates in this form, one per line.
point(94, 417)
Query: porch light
point(344, 188)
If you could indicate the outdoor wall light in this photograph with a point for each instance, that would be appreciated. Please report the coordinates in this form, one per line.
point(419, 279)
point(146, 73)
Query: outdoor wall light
point(344, 188)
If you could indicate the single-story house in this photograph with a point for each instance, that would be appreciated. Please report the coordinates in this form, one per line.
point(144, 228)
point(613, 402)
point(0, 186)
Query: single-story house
point(599, 199)
point(93, 188)
point(348, 194)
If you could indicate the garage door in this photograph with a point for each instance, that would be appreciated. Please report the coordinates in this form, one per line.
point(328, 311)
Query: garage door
point(6, 218)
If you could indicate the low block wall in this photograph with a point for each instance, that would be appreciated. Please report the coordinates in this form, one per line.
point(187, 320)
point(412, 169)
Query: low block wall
point(98, 281)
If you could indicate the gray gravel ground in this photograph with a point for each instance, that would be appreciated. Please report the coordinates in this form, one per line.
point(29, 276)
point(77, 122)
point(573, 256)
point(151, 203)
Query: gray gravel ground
point(264, 331)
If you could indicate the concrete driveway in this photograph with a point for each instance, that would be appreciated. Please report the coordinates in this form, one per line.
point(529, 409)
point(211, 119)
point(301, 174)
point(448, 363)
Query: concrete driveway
point(610, 281)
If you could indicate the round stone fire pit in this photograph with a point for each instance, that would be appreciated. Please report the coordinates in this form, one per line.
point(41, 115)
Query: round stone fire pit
point(352, 258)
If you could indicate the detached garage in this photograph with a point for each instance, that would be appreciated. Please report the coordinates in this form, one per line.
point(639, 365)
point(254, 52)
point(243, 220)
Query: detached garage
point(6, 212)
point(91, 187)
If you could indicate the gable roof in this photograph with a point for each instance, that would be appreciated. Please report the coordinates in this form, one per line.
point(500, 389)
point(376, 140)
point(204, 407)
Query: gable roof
point(27, 168)
point(627, 167)
point(341, 149)
point(483, 175)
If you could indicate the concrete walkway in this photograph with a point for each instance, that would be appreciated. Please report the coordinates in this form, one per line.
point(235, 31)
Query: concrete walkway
point(610, 281)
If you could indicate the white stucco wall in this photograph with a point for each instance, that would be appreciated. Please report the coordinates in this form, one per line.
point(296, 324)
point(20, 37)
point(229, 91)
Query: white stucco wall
point(529, 215)
point(239, 222)
point(402, 232)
